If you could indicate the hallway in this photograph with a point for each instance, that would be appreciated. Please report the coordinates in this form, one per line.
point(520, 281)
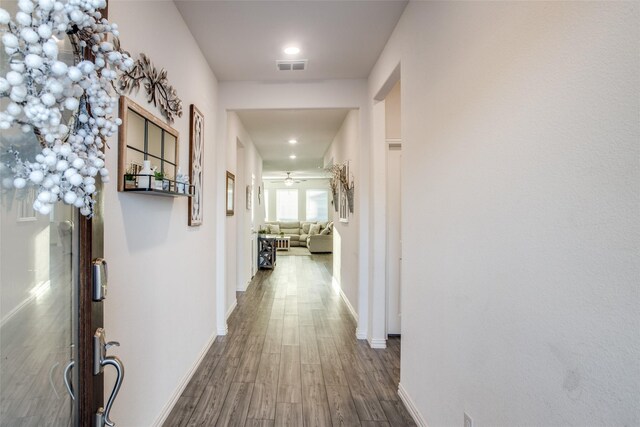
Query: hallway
point(291, 358)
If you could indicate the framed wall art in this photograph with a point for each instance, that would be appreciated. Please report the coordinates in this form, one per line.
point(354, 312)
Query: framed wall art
point(231, 183)
point(343, 210)
point(196, 157)
point(343, 201)
point(144, 139)
point(249, 196)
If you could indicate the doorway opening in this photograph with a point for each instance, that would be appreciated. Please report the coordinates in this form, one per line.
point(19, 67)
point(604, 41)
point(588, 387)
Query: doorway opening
point(393, 139)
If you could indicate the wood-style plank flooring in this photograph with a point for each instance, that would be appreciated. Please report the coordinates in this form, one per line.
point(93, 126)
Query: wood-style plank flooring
point(291, 358)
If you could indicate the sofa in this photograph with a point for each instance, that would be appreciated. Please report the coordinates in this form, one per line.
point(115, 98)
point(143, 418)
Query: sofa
point(300, 234)
point(320, 244)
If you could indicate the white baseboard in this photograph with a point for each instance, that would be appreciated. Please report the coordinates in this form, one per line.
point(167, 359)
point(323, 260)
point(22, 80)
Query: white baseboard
point(349, 306)
point(411, 407)
point(183, 384)
point(233, 307)
point(378, 343)
point(336, 287)
point(243, 288)
point(360, 334)
point(225, 329)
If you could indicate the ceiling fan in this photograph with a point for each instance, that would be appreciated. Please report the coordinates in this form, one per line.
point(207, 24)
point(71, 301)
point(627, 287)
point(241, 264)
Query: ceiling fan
point(288, 181)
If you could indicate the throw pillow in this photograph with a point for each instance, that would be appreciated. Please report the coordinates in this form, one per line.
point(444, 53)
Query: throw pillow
point(329, 227)
point(326, 231)
point(274, 228)
point(314, 229)
point(305, 227)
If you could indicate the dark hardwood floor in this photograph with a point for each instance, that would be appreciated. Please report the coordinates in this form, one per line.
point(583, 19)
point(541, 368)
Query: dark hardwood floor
point(291, 358)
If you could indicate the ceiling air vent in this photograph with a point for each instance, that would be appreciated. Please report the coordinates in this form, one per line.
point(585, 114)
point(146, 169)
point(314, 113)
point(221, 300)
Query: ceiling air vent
point(292, 65)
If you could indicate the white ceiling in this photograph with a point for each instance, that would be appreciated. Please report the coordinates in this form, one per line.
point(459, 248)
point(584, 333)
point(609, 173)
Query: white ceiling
point(271, 131)
point(242, 39)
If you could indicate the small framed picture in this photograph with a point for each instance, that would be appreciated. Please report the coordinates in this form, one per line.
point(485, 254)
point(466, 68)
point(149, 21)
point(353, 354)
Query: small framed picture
point(249, 196)
point(231, 183)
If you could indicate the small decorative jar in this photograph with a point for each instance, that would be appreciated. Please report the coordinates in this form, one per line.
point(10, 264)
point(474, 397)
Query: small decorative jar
point(145, 181)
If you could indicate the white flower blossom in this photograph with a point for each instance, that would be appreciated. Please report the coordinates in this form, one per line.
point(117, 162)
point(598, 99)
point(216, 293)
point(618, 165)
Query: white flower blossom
point(41, 87)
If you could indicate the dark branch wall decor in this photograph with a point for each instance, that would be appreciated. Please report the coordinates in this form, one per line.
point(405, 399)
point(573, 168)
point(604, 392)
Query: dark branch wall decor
point(342, 186)
point(196, 156)
point(159, 92)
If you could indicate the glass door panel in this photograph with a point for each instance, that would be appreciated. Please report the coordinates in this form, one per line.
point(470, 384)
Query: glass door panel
point(38, 311)
point(38, 291)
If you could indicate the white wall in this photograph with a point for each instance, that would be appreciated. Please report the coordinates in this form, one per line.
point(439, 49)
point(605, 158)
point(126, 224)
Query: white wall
point(243, 160)
point(392, 114)
point(377, 285)
point(302, 187)
point(238, 220)
point(161, 304)
point(293, 95)
point(520, 213)
point(345, 147)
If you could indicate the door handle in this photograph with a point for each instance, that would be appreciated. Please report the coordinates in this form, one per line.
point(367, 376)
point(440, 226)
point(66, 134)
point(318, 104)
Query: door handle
point(99, 280)
point(119, 367)
point(100, 360)
point(67, 378)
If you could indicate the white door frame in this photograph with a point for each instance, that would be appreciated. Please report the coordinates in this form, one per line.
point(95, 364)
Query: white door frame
point(391, 144)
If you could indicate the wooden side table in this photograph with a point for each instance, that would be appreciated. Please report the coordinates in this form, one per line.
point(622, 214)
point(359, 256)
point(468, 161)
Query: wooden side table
point(266, 251)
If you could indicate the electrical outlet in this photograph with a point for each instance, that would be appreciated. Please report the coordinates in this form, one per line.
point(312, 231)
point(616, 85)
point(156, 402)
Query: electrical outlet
point(468, 422)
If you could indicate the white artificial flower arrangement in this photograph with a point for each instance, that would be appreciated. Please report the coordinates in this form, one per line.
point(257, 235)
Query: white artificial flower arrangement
point(40, 88)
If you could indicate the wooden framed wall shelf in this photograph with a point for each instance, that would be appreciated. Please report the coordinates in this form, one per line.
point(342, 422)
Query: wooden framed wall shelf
point(144, 137)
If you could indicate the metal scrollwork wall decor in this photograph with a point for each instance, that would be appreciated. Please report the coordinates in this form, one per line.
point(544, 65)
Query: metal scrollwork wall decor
point(196, 158)
point(159, 92)
point(69, 107)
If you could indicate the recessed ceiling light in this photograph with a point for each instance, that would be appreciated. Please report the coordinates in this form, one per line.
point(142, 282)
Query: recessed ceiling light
point(291, 50)
point(293, 156)
point(293, 141)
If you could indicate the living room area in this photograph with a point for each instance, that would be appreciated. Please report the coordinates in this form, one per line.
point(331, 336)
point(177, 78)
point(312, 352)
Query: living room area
point(291, 163)
point(298, 215)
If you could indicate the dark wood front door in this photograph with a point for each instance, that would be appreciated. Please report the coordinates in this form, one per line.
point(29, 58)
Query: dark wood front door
point(50, 315)
point(91, 318)
point(49, 310)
